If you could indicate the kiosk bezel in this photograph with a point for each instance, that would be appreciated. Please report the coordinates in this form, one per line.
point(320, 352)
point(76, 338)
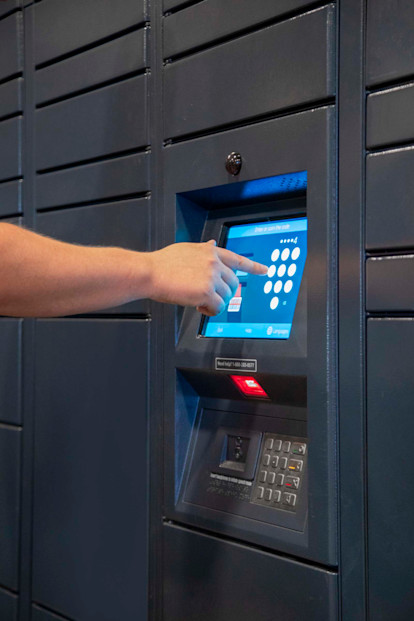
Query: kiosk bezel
point(192, 349)
point(297, 142)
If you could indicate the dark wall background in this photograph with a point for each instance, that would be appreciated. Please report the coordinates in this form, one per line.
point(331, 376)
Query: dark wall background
point(83, 126)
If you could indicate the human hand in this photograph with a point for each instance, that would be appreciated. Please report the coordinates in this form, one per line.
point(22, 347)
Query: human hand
point(199, 275)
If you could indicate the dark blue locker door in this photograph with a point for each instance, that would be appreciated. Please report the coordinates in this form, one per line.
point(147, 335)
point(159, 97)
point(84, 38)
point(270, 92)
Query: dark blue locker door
point(90, 478)
point(10, 447)
point(390, 469)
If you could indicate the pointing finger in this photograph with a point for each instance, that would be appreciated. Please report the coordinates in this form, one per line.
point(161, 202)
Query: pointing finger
point(236, 261)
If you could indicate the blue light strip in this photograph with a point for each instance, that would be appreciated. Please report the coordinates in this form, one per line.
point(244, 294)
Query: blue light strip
point(268, 188)
point(280, 184)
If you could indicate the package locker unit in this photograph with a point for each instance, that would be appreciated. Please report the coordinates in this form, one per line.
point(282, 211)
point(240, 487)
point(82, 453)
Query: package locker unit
point(115, 126)
point(67, 78)
point(389, 302)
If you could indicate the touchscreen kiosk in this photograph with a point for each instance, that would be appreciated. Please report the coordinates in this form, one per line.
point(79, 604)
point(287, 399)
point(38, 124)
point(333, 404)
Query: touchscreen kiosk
point(249, 450)
point(250, 394)
point(263, 307)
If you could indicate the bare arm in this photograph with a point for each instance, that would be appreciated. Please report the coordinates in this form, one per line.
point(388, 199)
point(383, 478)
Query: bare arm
point(42, 277)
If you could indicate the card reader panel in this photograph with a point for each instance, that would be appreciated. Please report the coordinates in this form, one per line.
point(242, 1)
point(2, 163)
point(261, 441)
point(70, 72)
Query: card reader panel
point(255, 467)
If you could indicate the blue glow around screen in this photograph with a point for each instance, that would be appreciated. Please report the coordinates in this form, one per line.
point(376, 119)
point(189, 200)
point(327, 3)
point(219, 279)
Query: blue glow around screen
point(263, 306)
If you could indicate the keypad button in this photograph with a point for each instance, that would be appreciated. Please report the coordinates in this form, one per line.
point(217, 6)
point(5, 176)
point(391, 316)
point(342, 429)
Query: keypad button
point(277, 445)
point(275, 462)
point(296, 465)
point(269, 443)
point(266, 460)
point(299, 448)
point(292, 482)
point(286, 446)
point(280, 479)
point(276, 495)
point(271, 478)
point(268, 494)
point(289, 499)
point(283, 463)
point(263, 475)
point(260, 492)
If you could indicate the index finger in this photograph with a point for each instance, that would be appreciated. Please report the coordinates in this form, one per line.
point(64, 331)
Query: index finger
point(236, 261)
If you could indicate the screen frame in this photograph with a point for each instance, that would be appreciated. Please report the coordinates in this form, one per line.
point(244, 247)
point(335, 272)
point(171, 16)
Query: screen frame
point(196, 352)
point(222, 240)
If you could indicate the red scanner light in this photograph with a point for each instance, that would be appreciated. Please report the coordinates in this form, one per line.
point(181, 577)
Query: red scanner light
point(249, 386)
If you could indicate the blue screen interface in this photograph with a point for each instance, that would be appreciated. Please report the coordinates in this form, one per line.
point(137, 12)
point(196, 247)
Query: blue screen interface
point(263, 306)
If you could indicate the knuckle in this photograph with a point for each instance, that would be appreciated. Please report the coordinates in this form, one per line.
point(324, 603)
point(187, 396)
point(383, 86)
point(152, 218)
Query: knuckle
point(213, 262)
point(208, 291)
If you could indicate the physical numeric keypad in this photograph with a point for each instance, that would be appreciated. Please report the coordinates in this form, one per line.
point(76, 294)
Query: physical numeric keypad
point(280, 472)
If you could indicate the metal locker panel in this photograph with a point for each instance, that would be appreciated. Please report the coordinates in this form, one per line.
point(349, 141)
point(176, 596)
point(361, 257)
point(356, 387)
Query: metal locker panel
point(90, 469)
point(124, 224)
point(389, 199)
point(117, 177)
point(11, 198)
point(108, 120)
point(173, 4)
point(106, 62)
point(8, 606)
point(10, 370)
point(389, 116)
point(10, 151)
point(389, 283)
point(64, 26)
point(211, 20)
point(11, 97)
point(390, 468)
point(295, 135)
point(11, 48)
point(38, 614)
point(10, 446)
point(290, 63)
point(390, 49)
point(208, 578)
point(9, 5)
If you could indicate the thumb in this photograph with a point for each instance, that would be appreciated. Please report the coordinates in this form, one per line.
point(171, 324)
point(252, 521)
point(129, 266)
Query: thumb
point(212, 242)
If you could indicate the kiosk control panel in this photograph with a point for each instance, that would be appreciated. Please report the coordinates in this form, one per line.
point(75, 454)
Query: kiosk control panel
point(265, 469)
point(251, 408)
point(247, 456)
point(250, 467)
point(249, 460)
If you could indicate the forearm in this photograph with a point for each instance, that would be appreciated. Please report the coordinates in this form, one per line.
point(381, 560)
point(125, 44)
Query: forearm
point(41, 277)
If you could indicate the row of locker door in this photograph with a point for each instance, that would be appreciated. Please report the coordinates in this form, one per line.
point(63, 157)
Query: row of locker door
point(90, 523)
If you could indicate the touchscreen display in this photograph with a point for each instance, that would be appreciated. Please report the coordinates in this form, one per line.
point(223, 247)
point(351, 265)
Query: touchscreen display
point(263, 306)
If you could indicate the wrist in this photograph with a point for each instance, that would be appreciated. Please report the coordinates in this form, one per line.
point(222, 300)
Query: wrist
point(141, 275)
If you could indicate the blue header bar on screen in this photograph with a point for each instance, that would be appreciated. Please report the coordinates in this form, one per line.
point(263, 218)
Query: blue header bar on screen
point(268, 228)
